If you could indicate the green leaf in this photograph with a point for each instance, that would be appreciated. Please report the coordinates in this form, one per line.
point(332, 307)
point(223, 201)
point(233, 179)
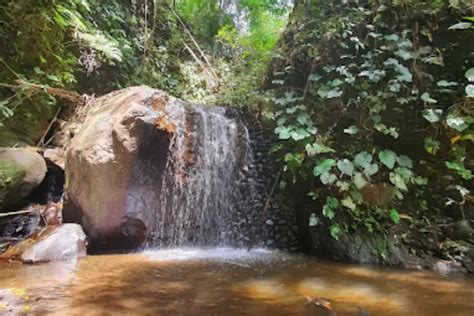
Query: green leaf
point(351, 130)
point(363, 159)
point(347, 202)
point(405, 161)
point(391, 37)
point(335, 231)
point(283, 132)
point(314, 77)
point(460, 26)
point(38, 71)
point(398, 181)
point(53, 78)
point(457, 123)
point(427, 98)
point(387, 157)
point(328, 212)
point(334, 93)
point(323, 166)
point(359, 180)
point(470, 75)
point(317, 148)
point(446, 84)
point(313, 220)
point(432, 116)
point(470, 90)
point(421, 181)
point(327, 178)
point(299, 134)
point(404, 54)
point(371, 169)
point(431, 145)
point(394, 216)
point(346, 167)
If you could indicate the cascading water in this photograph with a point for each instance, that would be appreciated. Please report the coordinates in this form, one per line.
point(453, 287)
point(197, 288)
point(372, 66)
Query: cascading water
point(210, 153)
point(150, 169)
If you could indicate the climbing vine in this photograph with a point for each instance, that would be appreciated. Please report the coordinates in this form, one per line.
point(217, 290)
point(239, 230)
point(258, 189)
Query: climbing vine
point(375, 108)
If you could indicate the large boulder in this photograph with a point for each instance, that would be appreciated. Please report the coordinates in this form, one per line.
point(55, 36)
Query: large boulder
point(21, 170)
point(114, 166)
point(64, 242)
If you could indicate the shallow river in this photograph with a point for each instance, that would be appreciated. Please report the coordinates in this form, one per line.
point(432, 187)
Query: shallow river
point(231, 282)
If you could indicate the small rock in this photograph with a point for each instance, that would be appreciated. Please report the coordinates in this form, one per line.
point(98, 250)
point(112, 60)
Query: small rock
point(21, 170)
point(269, 222)
point(446, 267)
point(65, 242)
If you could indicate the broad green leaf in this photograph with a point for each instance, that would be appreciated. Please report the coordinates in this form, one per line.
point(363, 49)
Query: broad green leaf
point(432, 116)
point(470, 90)
point(371, 169)
point(351, 130)
point(387, 157)
point(283, 132)
point(460, 26)
point(431, 145)
point(343, 186)
point(314, 77)
point(391, 37)
point(470, 75)
point(347, 202)
point(457, 123)
point(346, 167)
point(398, 181)
point(446, 84)
point(328, 212)
point(323, 92)
point(394, 216)
point(363, 159)
point(323, 166)
point(332, 202)
point(405, 161)
point(299, 134)
point(304, 119)
point(421, 181)
point(38, 71)
point(404, 54)
point(427, 98)
point(316, 148)
point(334, 93)
point(359, 180)
point(327, 178)
point(335, 231)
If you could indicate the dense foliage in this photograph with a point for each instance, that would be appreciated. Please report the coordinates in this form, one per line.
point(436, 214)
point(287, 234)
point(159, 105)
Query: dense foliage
point(190, 48)
point(374, 110)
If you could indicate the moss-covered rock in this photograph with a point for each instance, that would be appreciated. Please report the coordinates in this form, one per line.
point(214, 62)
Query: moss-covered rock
point(21, 170)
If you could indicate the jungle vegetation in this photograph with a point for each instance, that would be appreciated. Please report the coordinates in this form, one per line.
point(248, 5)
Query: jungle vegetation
point(371, 102)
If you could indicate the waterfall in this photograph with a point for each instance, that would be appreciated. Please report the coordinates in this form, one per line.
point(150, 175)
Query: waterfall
point(202, 187)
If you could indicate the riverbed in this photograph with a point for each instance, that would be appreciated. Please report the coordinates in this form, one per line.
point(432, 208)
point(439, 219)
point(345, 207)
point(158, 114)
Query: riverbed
point(225, 281)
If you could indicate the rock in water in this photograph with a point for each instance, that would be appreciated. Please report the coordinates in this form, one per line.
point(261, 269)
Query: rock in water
point(21, 170)
point(65, 242)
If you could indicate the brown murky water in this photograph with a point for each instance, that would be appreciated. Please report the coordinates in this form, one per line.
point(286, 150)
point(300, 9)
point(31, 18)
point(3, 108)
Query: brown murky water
point(231, 282)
